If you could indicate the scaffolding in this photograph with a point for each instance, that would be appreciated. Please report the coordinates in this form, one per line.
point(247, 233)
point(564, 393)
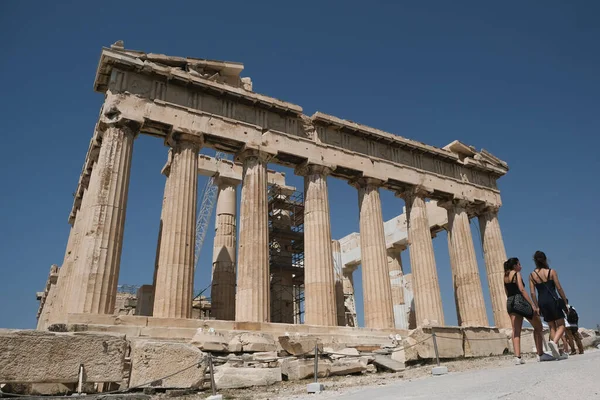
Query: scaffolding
point(286, 254)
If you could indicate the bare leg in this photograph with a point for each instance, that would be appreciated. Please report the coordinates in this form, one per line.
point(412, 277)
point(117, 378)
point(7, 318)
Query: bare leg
point(552, 327)
point(537, 334)
point(559, 330)
point(577, 337)
point(517, 324)
point(568, 338)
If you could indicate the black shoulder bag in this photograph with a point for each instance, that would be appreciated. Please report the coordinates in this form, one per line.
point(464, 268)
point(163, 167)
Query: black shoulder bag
point(519, 305)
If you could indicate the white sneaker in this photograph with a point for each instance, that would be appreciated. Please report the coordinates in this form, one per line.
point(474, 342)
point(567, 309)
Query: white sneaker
point(545, 357)
point(563, 356)
point(519, 361)
point(554, 349)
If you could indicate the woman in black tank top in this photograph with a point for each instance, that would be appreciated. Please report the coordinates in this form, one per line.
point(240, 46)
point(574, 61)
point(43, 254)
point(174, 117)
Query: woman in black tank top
point(551, 300)
point(519, 306)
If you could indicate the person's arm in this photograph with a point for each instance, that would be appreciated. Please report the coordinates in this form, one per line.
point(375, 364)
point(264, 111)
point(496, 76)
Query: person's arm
point(532, 291)
point(554, 276)
point(524, 293)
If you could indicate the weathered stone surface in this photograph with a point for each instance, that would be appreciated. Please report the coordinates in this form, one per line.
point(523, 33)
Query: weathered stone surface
point(387, 364)
point(232, 378)
point(298, 345)
point(45, 357)
point(449, 342)
point(264, 356)
point(480, 342)
point(252, 341)
point(153, 360)
point(332, 353)
point(209, 341)
point(347, 366)
point(589, 338)
point(302, 369)
point(398, 356)
point(527, 342)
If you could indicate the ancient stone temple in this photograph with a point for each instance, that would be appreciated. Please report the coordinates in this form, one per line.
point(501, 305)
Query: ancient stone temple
point(194, 104)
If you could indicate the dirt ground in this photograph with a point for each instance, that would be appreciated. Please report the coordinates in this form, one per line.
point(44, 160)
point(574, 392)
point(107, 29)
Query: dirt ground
point(350, 383)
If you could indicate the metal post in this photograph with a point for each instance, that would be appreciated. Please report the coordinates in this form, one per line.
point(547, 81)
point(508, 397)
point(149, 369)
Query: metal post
point(435, 348)
point(212, 375)
point(316, 362)
point(80, 380)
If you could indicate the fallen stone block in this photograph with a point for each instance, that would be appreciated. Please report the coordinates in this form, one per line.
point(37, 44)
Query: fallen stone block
point(235, 378)
point(386, 363)
point(300, 345)
point(398, 355)
point(589, 337)
point(152, 360)
point(347, 366)
point(207, 340)
point(332, 353)
point(484, 342)
point(264, 356)
point(46, 357)
point(252, 342)
point(302, 369)
point(419, 343)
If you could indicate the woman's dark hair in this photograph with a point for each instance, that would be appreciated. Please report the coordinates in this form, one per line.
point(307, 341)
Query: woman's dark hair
point(540, 260)
point(510, 264)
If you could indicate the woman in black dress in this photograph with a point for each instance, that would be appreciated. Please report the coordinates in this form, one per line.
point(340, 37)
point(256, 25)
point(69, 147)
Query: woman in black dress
point(551, 305)
point(519, 306)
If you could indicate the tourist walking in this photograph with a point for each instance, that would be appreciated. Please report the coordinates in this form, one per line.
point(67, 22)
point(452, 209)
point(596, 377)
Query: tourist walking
point(519, 306)
point(572, 331)
point(551, 304)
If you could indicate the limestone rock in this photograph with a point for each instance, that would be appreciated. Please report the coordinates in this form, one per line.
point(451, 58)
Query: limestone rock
point(152, 360)
point(299, 345)
point(332, 353)
point(387, 364)
point(207, 340)
point(484, 342)
point(46, 357)
point(233, 378)
point(589, 338)
point(253, 341)
point(398, 355)
point(449, 340)
point(347, 366)
point(264, 356)
point(302, 369)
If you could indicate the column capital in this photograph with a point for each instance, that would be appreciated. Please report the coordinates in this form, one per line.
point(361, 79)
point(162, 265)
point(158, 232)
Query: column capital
point(111, 117)
point(220, 180)
point(365, 182)
point(178, 139)
point(248, 152)
point(455, 204)
point(410, 192)
point(308, 168)
point(485, 209)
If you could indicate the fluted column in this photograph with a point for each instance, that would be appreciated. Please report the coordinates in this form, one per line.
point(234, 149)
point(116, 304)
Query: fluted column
point(224, 251)
point(494, 254)
point(467, 282)
point(97, 267)
point(252, 301)
point(319, 282)
point(339, 282)
point(175, 274)
point(426, 287)
point(349, 298)
point(377, 291)
point(397, 284)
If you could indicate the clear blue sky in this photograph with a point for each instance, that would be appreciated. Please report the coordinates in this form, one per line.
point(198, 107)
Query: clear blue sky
point(519, 79)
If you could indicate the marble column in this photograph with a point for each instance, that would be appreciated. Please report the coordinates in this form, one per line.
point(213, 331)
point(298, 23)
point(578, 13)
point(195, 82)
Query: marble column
point(98, 262)
point(377, 291)
point(494, 254)
point(349, 298)
point(467, 282)
point(397, 284)
point(253, 289)
point(339, 282)
point(319, 281)
point(426, 287)
point(224, 251)
point(173, 293)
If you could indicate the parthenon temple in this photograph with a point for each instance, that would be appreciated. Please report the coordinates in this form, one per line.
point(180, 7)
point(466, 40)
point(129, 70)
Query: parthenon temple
point(193, 104)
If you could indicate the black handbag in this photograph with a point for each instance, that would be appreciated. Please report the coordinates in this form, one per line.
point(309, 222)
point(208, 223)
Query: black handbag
point(521, 306)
